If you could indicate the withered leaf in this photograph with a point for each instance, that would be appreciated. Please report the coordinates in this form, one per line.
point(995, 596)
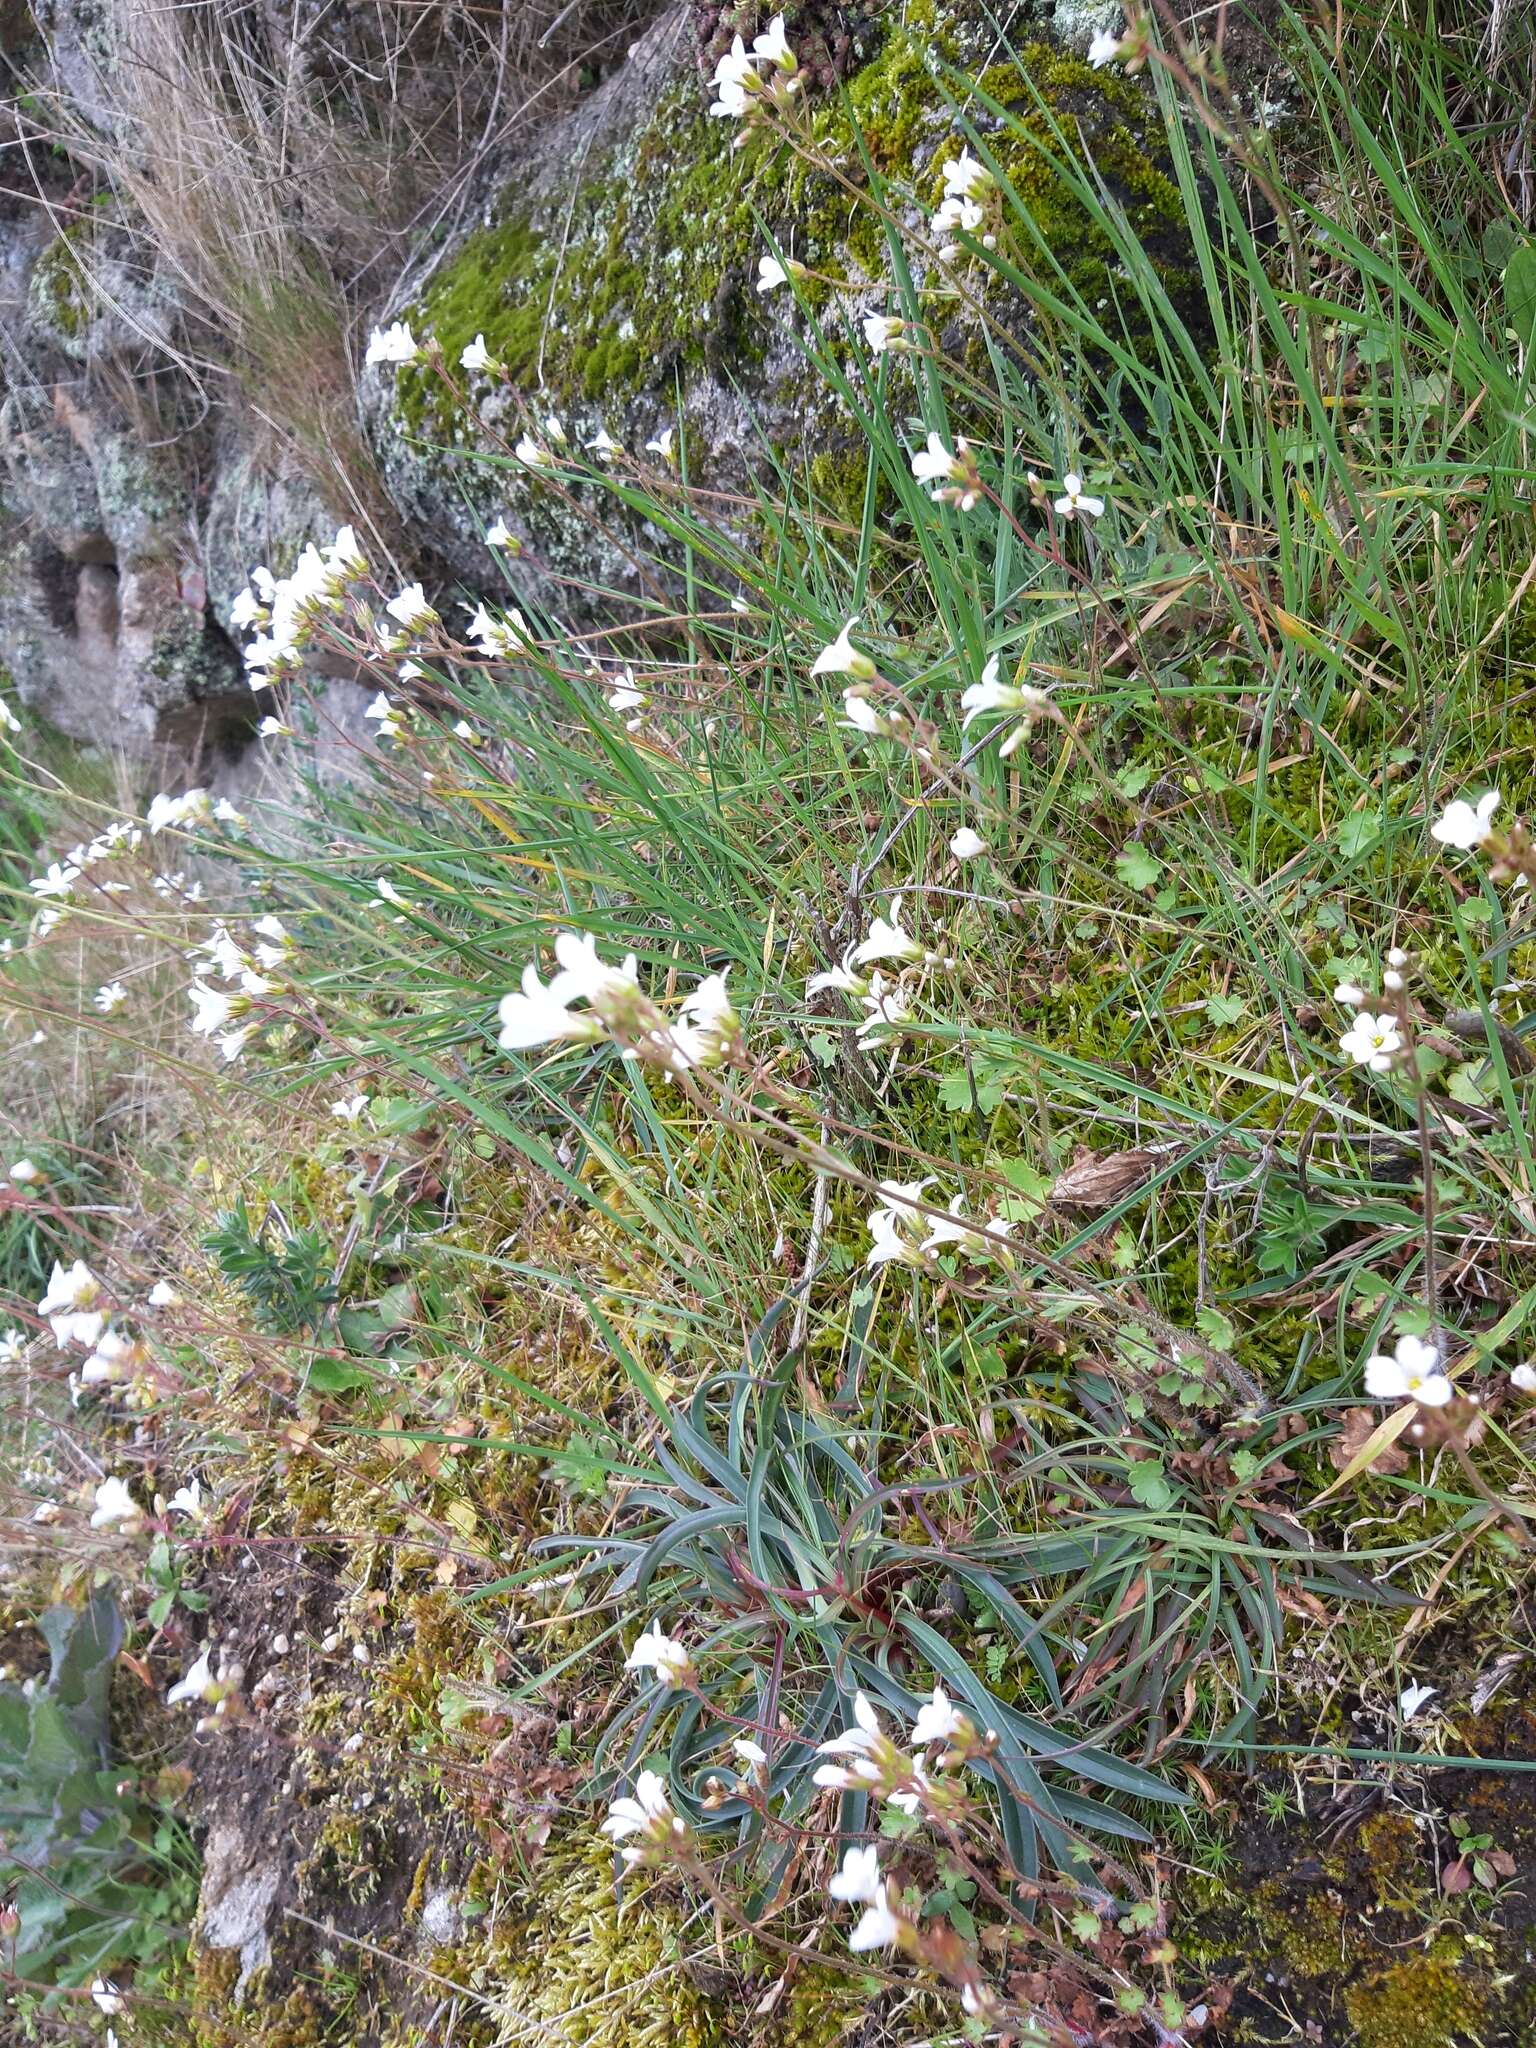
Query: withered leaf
point(1354, 1433)
point(1097, 1180)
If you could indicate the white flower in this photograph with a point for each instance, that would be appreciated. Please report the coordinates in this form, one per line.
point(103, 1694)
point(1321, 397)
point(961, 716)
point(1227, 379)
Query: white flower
point(542, 1016)
point(113, 1359)
point(532, 454)
point(499, 535)
point(163, 1295)
point(109, 997)
point(476, 356)
point(215, 1007)
point(877, 1928)
point(935, 463)
point(394, 344)
point(862, 1742)
point(1414, 1696)
point(114, 1503)
point(498, 636)
point(772, 47)
point(966, 844)
point(106, 1996)
point(603, 445)
point(771, 273)
point(1371, 1041)
point(663, 1654)
point(894, 1227)
point(351, 1109)
point(965, 178)
point(708, 1024)
point(69, 1304)
point(884, 1005)
point(8, 717)
point(859, 1881)
point(882, 333)
point(13, 1346)
point(1410, 1374)
point(198, 1683)
point(1463, 825)
point(840, 977)
point(955, 1228)
point(664, 444)
point(887, 940)
point(735, 81)
point(1104, 48)
point(1524, 1379)
point(625, 698)
point(939, 1720)
point(648, 1814)
point(1350, 994)
point(410, 607)
point(24, 1172)
point(226, 814)
point(750, 1752)
point(842, 658)
point(59, 880)
point(187, 1500)
point(274, 729)
point(1074, 501)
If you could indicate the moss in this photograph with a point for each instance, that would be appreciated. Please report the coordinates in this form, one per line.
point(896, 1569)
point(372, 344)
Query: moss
point(1428, 2001)
point(647, 273)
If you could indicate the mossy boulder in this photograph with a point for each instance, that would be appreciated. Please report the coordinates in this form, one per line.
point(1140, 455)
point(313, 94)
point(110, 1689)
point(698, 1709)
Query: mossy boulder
point(614, 274)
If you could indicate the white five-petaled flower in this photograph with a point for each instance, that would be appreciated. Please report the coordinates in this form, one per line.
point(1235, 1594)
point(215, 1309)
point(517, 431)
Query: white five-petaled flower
point(1462, 825)
point(882, 332)
point(1075, 502)
point(1104, 48)
point(935, 463)
point(1372, 1041)
point(965, 178)
point(939, 1720)
point(603, 445)
point(476, 356)
point(274, 729)
point(499, 535)
point(773, 46)
point(114, 1503)
point(887, 939)
point(656, 1651)
point(841, 658)
point(351, 1109)
point(197, 1684)
point(1411, 1374)
point(163, 1295)
point(859, 1881)
point(1523, 1378)
point(839, 977)
point(664, 444)
point(648, 1815)
point(393, 344)
point(1350, 994)
point(771, 273)
point(24, 1172)
point(967, 844)
point(749, 1751)
point(114, 1358)
point(894, 1227)
point(13, 1346)
point(109, 997)
point(410, 607)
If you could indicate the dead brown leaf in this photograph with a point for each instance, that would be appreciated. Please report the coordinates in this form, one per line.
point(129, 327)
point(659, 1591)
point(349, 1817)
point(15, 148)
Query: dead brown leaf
point(1096, 1181)
point(1354, 1434)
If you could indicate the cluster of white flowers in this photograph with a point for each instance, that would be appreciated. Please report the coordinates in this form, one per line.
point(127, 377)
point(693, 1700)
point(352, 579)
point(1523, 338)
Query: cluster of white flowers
point(1374, 1037)
point(58, 887)
point(76, 1308)
point(885, 999)
point(899, 1232)
point(285, 610)
point(968, 205)
point(745, 93)
point(394, 345)
point(703, 1034)
point(253, 971)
